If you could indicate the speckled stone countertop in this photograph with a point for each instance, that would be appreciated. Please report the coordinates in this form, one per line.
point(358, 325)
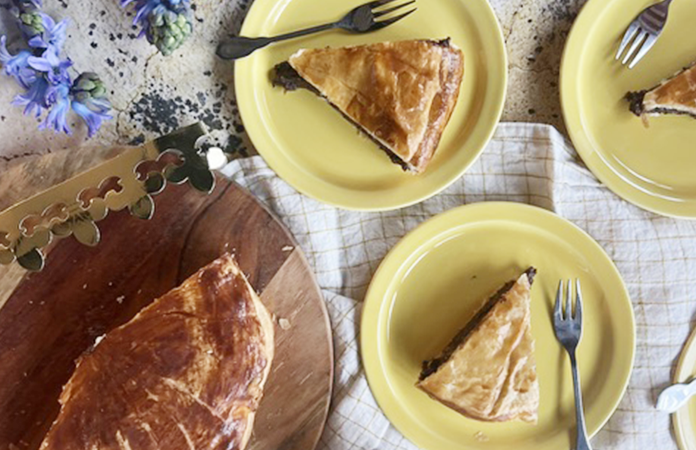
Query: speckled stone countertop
point(152, 94)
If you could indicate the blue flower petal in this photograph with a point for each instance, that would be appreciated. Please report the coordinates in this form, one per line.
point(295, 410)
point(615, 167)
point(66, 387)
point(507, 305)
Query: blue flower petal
point(35, 99)
point(47, 21)
point(16, 66)
point(100, 104)
point(59, 34)
point(4, 54)
point(51, 54)
point(61, 30)
point(40, 63)
point(54, 34)
point(91, 118)
point(57, 116)
point(55, 69)
point(145, 7)
point(37, 42)
point(143, 12)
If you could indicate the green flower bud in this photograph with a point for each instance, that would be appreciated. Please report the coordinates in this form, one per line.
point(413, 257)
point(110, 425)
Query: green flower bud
point(168, 29)
point(90, 90)
point(32, 23)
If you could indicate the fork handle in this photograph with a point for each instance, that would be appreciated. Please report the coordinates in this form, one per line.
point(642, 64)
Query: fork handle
point(582, 443)
point(240, 46)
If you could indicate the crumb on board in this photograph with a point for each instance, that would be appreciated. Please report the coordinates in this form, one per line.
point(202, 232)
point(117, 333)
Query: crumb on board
point(120, 299)
point(284, 323)
point(479, 436)
point(98, 340)
point(84, 286)
point(287, 248)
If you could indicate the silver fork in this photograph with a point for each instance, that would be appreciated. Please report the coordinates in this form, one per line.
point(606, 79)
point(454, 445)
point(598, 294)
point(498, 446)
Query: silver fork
point(361, 19)
point(643, 33)
point(568, 329)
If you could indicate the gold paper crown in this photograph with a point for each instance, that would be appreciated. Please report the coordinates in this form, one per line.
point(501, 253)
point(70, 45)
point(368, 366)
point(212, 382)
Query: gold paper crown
point(127, 181)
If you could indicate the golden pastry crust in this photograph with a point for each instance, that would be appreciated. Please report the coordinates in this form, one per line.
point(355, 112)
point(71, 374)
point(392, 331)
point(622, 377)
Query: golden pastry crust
point(401, 94)
point(675, 95)
point(187, 372)
point(490, 374)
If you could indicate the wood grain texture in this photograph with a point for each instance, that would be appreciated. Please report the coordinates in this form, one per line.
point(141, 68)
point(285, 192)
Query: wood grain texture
point(51, 317)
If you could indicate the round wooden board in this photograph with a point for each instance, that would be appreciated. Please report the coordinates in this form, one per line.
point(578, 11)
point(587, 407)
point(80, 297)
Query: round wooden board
point(49, 318)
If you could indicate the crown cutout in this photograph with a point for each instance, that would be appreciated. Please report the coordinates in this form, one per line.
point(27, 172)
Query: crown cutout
point(130, 180)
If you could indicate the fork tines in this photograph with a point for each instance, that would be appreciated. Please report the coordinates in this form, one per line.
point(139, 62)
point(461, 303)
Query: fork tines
point(642, 33)
point(641, 42)
point(565, 313)
point(387, 11)
point(383, 23)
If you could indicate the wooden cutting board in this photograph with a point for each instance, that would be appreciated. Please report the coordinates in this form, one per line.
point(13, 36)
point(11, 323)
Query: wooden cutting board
point(48, 319)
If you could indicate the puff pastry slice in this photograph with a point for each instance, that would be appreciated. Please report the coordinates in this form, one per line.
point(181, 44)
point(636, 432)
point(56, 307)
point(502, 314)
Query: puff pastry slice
point(488, 371)
point(401, 94)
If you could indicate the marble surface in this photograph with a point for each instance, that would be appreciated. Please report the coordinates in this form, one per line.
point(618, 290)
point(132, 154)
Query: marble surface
point(152, 94)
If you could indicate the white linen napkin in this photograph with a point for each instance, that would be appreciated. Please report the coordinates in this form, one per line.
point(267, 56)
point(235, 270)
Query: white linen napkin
point(523, 163)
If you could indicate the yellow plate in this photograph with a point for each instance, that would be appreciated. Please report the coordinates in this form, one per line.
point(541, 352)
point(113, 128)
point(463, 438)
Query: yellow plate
point(650, 167)
point(684, 420)
point(433, 281)
point(321, 154)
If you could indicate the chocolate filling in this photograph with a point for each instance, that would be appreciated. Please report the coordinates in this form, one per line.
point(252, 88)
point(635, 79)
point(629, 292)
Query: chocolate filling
point(285, 76)
point(442, 42)
point(635, 100)
point(431, 366)
point(670, 111)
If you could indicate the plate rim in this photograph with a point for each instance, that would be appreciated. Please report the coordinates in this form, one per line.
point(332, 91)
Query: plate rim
point(372, 303)
point(573, 119)
point(680, 429)
point(243, 92)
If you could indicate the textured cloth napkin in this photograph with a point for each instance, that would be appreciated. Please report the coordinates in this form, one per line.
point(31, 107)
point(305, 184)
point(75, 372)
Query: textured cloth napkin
point(523, 163)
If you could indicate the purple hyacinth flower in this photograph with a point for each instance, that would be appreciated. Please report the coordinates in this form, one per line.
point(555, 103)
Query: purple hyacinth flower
point(16, 66)
point(34, 100)
point(56, 69)
point(44, 75)
point(54, 34)
point(57, 116)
